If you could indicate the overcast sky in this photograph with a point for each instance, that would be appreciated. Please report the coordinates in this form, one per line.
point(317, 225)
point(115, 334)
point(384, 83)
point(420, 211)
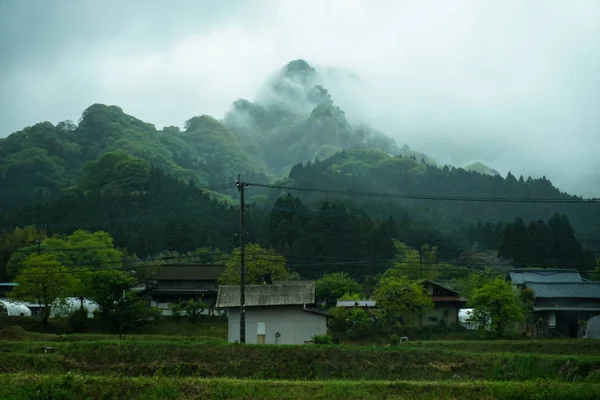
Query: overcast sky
point(515, 84)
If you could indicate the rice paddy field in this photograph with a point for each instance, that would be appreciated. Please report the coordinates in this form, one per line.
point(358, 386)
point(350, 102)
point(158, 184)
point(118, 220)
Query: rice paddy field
point(202, 365)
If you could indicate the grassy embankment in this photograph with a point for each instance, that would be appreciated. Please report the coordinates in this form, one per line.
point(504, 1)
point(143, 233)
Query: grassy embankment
point(75, 387)
point(203, 365)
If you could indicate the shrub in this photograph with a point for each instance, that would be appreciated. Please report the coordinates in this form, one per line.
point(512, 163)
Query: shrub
point(322, 339)
point(14, 332)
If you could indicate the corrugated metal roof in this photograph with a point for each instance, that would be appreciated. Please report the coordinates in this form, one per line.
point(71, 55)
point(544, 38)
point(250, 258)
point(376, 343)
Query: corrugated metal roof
point(352, 303)
point(267, 295)
point(580, 290)
point(519, 277)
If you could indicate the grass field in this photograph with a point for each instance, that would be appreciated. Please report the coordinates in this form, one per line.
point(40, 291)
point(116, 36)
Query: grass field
point(200, 364)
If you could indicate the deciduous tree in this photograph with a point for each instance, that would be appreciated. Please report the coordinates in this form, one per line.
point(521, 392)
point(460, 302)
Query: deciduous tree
point(497, 305)
point(400, 300)
point(42, 279)
point(262, 266)
point(334, 285)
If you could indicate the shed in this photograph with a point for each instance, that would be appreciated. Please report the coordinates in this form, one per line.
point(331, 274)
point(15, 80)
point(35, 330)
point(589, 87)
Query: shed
point(282, 313)
point(13, 309)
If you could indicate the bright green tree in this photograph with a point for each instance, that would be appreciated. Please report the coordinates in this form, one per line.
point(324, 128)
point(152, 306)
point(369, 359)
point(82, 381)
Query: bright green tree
point(117, 303)
point(261, 266)
point(410, 262)
point(42, 279)
point(496, 304)
point(351, 322)
point(82, 253)
point(334, 285)
point(400, 300)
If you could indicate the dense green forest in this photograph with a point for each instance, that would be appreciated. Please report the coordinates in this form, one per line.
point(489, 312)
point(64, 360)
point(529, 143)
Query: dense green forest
point(174, 189)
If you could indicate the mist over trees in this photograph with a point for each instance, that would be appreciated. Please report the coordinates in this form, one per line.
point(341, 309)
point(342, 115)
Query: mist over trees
point(172, 190)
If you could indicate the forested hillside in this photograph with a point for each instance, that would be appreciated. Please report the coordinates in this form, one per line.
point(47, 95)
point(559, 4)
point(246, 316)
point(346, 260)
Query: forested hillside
point(171, 189)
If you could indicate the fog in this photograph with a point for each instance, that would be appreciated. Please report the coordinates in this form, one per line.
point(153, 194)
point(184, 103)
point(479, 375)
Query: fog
point(513, 84)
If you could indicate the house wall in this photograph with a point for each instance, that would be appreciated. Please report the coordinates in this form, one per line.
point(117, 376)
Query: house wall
point(294, 325)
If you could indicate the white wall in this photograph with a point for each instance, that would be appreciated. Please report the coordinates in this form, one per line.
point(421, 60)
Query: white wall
point(294, 325)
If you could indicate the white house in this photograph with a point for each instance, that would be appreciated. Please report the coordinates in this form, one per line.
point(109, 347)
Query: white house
point(282, 313)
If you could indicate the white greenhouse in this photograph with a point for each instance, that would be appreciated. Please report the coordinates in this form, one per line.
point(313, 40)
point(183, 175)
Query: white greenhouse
point(592, 330)
point(13, 309)
point(65, 307)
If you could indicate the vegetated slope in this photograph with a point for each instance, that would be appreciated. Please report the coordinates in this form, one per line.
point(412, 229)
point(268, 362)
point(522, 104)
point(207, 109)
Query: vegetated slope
point(144, 209)
point(376, 172)
point(294, 119)
point(292, 126)
point(39, 162)
point(481, 168)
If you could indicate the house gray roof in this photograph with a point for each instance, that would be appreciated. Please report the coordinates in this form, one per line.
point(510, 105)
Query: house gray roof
point(519, 277)
point(268, 295)
point(579, 290)
point(352, 303)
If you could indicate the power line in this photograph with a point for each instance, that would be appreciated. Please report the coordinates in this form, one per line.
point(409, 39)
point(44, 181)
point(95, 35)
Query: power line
point(431, 197)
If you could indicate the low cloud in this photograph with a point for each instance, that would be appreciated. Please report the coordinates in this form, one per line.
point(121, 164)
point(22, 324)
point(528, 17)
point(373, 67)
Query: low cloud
point(513, 84)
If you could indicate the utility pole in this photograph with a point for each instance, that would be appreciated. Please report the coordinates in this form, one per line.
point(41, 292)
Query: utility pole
point(241, 187)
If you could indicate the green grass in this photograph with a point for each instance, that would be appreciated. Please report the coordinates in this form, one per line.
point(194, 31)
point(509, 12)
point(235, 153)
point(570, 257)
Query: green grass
point(206, 326)
point(207, 359)
point(76, 387)
point(534, 346)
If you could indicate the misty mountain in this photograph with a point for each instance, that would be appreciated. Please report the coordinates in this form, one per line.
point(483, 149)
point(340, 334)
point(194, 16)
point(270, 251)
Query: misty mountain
point(481, 168)
point(293, 131)
point(294, 119)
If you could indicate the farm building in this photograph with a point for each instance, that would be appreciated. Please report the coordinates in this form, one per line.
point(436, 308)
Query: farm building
point(563, 299)
point(282, 313)
point(447, 305)
point(172, 283)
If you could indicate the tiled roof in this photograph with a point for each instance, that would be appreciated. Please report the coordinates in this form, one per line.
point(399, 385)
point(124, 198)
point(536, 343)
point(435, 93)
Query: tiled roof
point(580, 290)
point(519, 277)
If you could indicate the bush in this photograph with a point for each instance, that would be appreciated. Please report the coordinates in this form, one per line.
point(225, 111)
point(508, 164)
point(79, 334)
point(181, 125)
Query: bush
point(14, 332)
point(322, 339)
point(353, 323)
point(78, 320)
